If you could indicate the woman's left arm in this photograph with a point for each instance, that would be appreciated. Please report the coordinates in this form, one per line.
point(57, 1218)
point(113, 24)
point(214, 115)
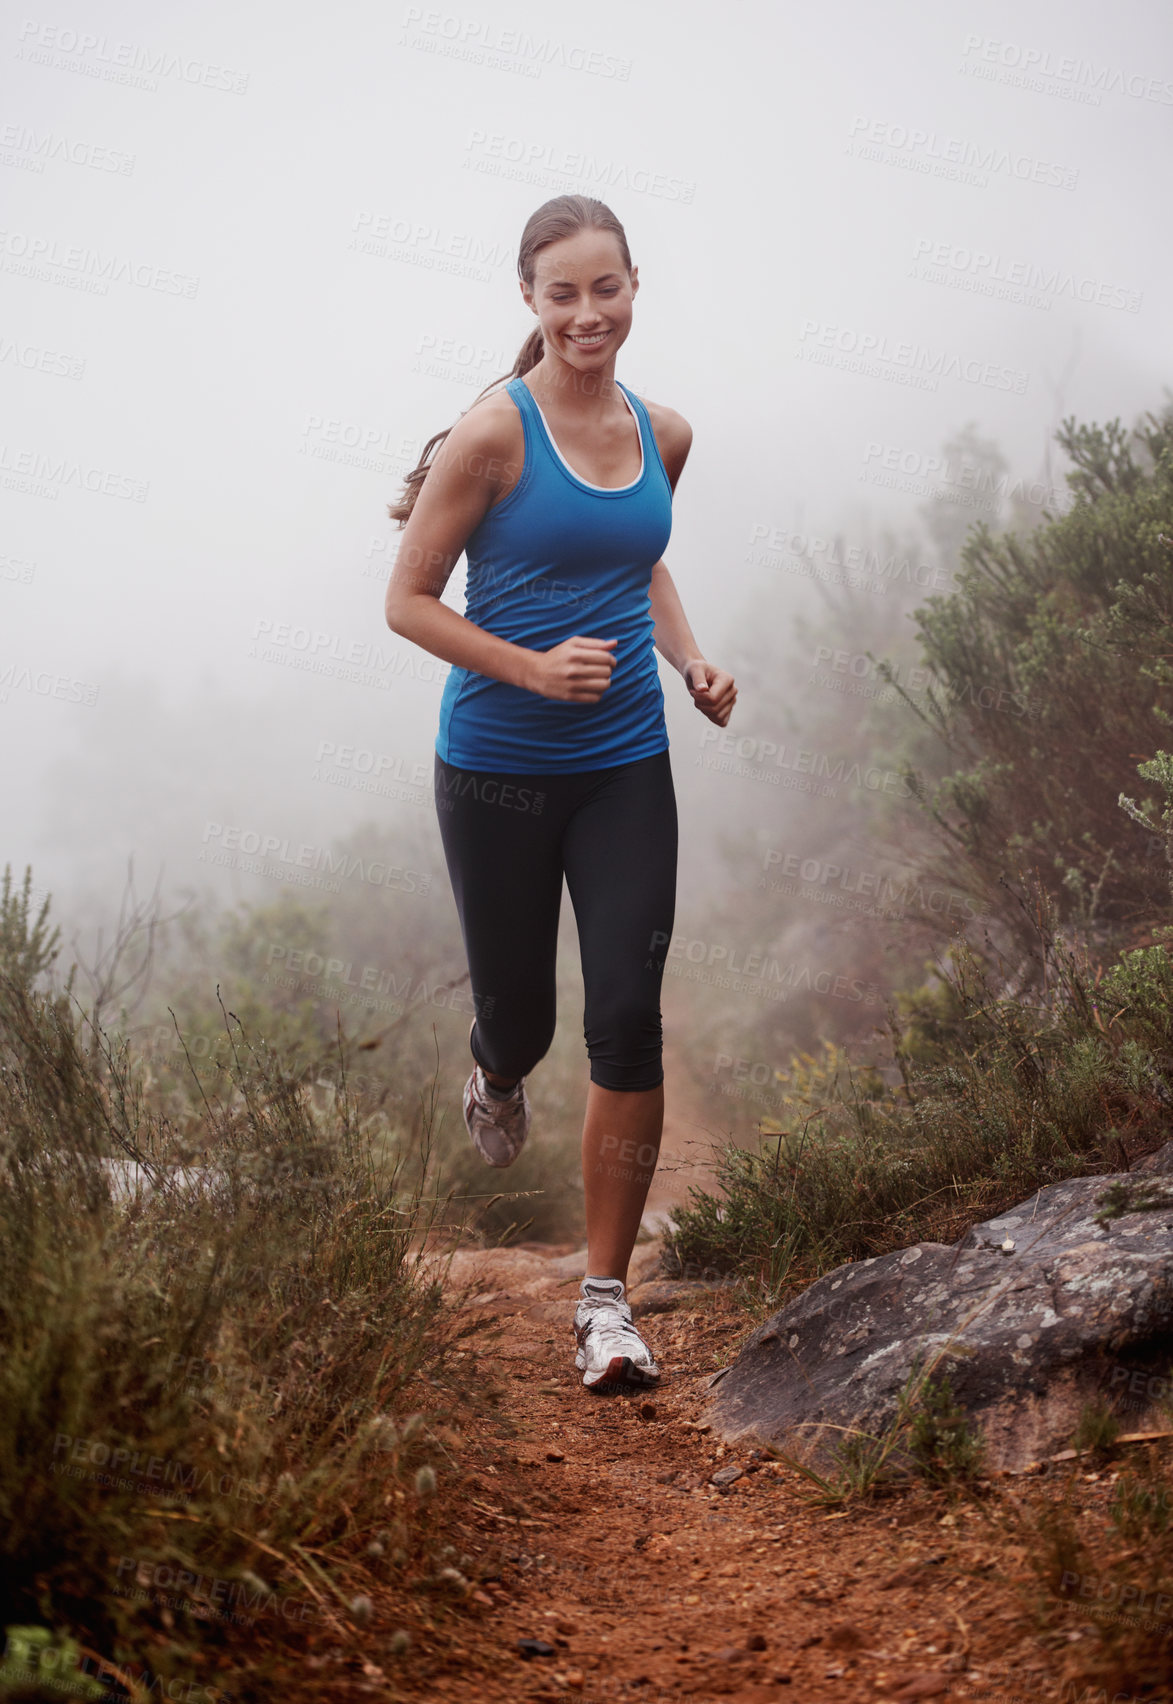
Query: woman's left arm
point(712, 689)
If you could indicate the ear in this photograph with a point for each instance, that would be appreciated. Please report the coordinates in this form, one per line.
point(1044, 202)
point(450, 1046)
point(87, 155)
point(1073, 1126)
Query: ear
point(527, 295)
point(634, 279)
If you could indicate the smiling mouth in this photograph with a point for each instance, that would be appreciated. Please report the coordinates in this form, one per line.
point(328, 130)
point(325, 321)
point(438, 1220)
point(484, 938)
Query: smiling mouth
point(591, 341)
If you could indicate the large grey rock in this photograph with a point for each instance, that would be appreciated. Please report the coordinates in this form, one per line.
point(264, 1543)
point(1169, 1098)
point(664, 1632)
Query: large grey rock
point(1078, 1312)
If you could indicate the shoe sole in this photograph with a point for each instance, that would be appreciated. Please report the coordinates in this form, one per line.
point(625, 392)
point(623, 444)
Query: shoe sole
point(621, 1373)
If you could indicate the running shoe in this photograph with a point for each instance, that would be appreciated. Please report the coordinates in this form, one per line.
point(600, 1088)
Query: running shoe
point(611, 1352)
point(498, 1121)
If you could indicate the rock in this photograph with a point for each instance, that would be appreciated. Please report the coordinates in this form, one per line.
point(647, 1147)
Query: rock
point(655, 1297)
point(930, 1685)
point(569, 1265)
point(725, 1476)
point(535, 1648)
point(644, 1264)
point(1077, 1314)
point(756, 1642)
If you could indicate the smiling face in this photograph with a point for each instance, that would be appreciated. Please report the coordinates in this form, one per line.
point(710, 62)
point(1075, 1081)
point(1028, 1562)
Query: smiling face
point(582, 295)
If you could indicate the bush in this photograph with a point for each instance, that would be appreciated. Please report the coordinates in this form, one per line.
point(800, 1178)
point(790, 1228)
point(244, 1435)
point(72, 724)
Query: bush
point(1056, 645)
point(238, 1381)
point(997, 1097)
point(291, 972)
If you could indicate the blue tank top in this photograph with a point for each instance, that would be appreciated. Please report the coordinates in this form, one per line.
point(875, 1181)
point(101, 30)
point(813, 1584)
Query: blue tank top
point(560, 557)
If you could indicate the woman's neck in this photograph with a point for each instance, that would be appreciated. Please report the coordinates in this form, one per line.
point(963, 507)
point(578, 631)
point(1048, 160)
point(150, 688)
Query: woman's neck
point(555, 381)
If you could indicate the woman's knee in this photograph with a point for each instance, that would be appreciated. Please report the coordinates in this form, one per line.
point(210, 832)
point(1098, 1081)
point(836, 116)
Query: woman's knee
point(626, 1046)
point(510, 1050)
point(632, 1078)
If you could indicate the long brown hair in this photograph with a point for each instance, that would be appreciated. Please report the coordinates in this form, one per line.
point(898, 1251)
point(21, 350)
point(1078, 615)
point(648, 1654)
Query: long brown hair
point(562, 217)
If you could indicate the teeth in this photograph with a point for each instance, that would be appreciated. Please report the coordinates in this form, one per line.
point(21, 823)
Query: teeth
point(598, 338)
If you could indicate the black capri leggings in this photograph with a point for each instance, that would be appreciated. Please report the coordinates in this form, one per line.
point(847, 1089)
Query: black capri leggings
point(508, 841)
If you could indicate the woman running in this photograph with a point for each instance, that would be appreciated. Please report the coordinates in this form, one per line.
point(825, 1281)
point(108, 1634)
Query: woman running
point(552, 754)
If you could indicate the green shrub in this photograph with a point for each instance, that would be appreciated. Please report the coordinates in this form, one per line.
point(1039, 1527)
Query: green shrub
point(1039, 1091)
point(941, 1439)
point(1055, 645)
point(239, 1381)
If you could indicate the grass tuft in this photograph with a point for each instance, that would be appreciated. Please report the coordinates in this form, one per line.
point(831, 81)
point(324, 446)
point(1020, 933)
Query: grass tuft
point(225, 1369)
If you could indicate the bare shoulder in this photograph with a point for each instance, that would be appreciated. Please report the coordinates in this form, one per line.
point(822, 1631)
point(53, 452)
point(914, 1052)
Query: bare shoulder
point(487, 442)
point(667, 422)
point(673, 436)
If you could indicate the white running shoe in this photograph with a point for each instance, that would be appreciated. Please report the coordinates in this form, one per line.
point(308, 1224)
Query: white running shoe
point(611, 1352)
point(497, 1123)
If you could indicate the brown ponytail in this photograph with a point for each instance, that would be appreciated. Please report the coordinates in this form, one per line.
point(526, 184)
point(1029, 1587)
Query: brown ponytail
point(562, 217)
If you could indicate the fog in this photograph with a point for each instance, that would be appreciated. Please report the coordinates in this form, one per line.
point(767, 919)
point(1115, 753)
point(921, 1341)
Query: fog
point(255, 256)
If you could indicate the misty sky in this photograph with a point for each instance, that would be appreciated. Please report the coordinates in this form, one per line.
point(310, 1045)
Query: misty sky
point(255, 255)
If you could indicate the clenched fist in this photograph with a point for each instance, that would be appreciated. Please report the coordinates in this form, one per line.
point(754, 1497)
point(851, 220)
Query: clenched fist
point(713, 691)
point(578, 671)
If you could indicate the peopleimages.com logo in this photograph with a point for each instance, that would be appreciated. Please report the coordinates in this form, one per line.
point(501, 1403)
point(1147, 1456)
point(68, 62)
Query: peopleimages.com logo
point(903, 360)
point(1035, 283)
point(30, 150)
point(480, 41)
point(26, 254)
point(91, 55)
point(544, 164)
point(958, 158)
point(1012, 62)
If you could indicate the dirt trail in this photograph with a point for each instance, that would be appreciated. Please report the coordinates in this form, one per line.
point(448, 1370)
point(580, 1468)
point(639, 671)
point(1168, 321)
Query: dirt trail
point(591, 1524)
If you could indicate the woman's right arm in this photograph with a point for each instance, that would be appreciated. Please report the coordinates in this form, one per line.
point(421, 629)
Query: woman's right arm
point(466, 474)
